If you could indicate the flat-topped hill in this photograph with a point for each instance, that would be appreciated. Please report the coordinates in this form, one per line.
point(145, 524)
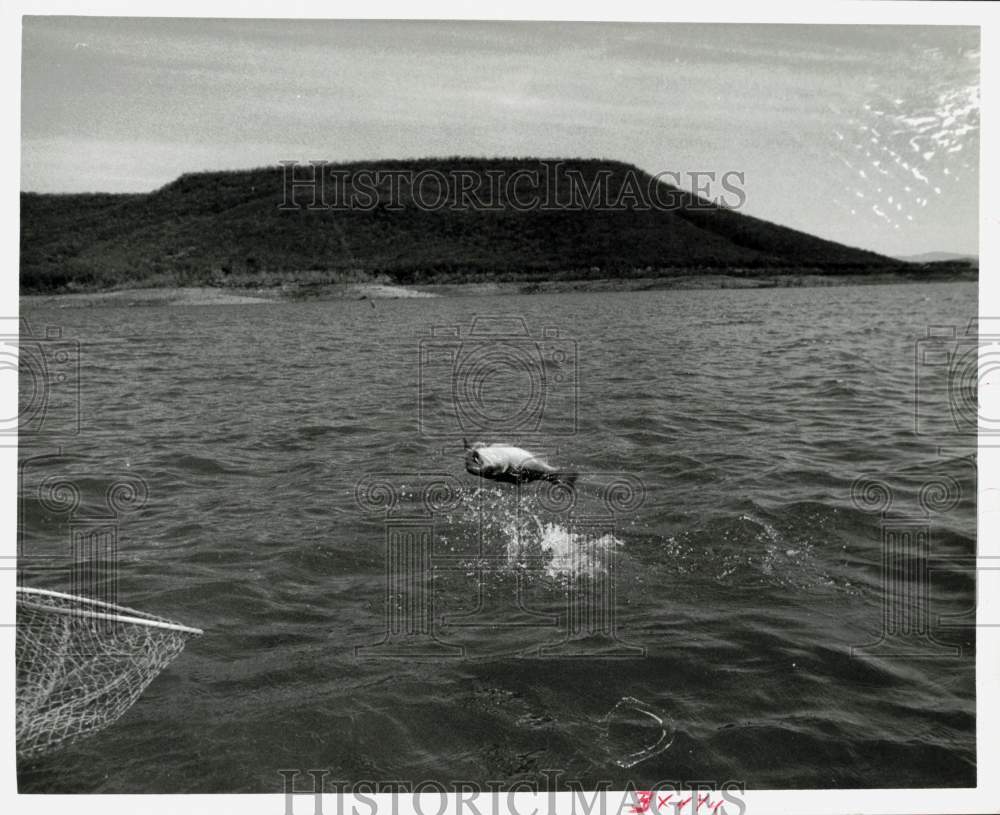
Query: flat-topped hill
point(421, 221)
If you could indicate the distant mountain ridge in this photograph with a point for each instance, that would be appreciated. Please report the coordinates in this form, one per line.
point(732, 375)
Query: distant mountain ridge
point(939, 257)
point(229, 228)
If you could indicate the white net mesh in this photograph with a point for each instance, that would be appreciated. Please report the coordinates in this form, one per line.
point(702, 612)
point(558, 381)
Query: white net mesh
point(82, 663)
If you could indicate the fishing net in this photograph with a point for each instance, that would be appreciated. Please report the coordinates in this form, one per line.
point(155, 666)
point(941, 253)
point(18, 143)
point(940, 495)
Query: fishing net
point(82, 663)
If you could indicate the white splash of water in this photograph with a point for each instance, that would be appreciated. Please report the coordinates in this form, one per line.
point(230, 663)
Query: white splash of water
point(572, 554)
point(552, 547)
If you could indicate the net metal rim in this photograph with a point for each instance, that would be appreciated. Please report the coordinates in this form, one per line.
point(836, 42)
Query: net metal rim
point(111, 612)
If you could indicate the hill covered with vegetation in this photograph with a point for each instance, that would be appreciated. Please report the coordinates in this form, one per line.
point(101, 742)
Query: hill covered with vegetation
point(495, 220)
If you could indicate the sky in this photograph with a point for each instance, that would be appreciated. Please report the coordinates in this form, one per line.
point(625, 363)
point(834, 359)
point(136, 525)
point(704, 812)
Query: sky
point(867, 135)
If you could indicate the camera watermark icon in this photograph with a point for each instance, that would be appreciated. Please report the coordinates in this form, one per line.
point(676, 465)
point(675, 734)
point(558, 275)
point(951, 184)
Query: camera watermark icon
point(957, 381)
point(47, 366)
point(496, 378)
point(906, 625)
point(579, 554)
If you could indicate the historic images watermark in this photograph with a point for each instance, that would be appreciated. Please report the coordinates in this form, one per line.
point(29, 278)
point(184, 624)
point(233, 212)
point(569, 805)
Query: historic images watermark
point(542, 185)
point(906, 626)
point(78, 534)
point(957, 404)
point(951, 366)
point(69, 523)
point(553, 795)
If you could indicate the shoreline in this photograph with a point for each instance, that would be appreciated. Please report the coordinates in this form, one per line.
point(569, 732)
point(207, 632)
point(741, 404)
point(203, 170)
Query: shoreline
point(210, 296)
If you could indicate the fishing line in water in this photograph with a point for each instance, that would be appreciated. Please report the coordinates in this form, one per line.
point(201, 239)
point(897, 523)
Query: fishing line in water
point(631, 721)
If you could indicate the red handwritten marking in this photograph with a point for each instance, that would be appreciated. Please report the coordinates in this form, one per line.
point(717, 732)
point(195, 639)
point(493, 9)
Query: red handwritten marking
point(644, 800)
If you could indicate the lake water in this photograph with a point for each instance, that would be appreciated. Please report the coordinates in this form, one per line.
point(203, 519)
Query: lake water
point(370, 611)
